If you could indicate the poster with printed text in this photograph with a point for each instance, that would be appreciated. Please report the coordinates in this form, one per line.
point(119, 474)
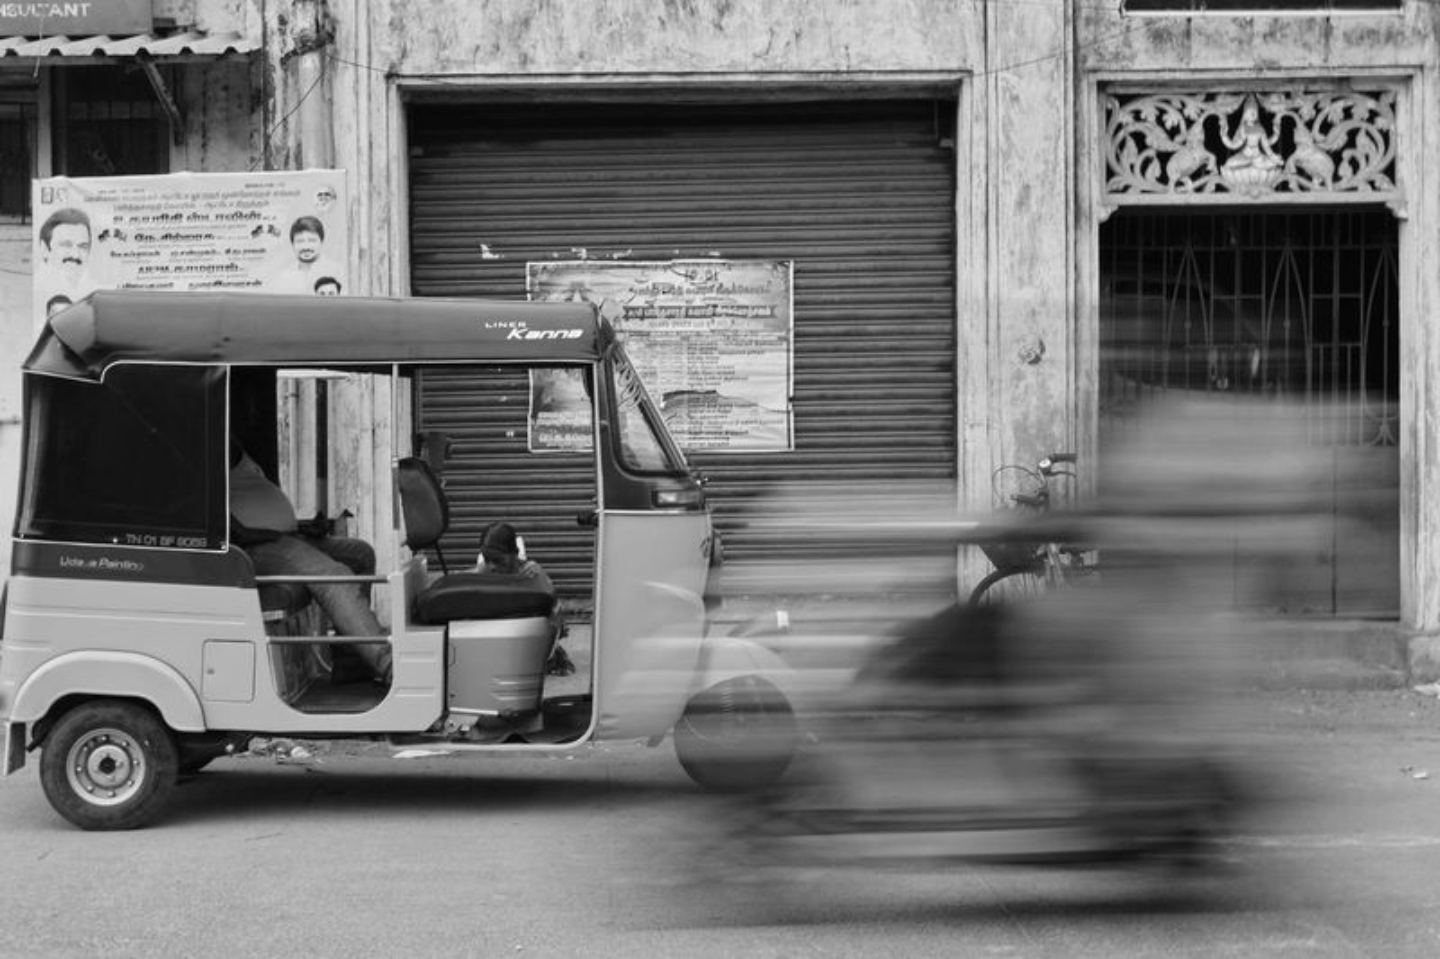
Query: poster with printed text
point(712, 339)
point(271, 232)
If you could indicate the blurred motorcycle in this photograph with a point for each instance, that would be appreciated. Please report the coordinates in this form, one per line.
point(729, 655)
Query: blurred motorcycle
point(957, 743)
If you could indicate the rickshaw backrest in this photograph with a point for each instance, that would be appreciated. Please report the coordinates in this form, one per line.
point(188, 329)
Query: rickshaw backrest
point(459, 596)
point(423, 505)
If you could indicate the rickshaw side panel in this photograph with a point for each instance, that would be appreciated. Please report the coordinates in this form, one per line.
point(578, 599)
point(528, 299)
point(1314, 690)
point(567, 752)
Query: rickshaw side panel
point(185, 632)
point(47, 618)
point(413, 703)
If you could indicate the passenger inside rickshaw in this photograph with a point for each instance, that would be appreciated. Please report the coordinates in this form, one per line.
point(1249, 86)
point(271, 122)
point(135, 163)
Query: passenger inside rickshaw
point(263, 524)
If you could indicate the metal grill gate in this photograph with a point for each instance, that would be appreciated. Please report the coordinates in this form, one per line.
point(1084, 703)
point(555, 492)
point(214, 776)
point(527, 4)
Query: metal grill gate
point(1302, 305)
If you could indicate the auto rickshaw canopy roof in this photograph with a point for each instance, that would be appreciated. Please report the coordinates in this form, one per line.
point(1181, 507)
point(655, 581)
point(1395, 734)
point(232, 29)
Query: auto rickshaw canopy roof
point(267, 329)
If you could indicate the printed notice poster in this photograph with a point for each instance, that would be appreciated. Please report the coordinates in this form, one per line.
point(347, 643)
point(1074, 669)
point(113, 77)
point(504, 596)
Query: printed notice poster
point(273, 232)
point(560, 411)
point(712, 339)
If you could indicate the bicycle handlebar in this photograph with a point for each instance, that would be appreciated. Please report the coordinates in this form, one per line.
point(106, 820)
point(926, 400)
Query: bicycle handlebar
point(1048, 465)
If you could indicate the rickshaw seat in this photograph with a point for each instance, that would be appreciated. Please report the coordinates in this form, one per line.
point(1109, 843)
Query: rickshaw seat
point(480, 595)
point(423, 504)
point(283, 600)
point(278, 601)
point(464, 595)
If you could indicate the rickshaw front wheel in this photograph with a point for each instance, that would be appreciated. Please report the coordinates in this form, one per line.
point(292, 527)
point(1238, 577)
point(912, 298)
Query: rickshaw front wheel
point(109, 764)
point(737, 734)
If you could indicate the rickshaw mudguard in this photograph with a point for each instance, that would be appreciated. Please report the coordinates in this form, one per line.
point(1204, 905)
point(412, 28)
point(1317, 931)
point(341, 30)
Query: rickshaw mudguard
point(729, 657)
point(108, 673)
point(648, 702)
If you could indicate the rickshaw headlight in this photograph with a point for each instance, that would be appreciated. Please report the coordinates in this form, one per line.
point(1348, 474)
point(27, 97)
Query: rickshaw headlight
point(690, 498)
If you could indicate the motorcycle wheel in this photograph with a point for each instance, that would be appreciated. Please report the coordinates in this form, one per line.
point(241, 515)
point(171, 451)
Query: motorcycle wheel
point(736, 735)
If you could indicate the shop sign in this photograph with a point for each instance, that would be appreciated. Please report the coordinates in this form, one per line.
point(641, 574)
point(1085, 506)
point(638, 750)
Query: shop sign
point(268, 232)
point(65, 18)
point(712, 339)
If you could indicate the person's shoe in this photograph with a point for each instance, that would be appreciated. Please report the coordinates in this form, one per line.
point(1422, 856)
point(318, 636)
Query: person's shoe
point(345, 671)
point(560, 663)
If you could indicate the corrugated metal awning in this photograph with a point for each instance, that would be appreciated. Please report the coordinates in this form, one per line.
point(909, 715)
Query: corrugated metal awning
point(175, 47)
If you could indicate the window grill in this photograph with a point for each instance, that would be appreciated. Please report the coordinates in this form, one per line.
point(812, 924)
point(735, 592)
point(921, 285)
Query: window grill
point(1302, 305)
point(108, 123)
point(18, 155)
point(1297, 305)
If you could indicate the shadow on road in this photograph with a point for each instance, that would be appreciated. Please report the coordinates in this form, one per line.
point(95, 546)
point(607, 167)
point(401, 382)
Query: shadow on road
point(254, 789)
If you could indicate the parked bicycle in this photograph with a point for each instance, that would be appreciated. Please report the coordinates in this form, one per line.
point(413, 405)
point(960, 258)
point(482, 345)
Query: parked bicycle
point(1026, 565)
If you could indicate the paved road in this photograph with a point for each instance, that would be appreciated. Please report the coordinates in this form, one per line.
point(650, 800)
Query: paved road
point(356, 853)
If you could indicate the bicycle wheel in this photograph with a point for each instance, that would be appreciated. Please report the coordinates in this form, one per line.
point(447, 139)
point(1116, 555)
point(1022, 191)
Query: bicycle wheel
point(1009, 586)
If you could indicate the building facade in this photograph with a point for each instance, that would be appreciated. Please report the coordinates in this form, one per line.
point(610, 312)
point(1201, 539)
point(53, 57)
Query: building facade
point(1007, 221)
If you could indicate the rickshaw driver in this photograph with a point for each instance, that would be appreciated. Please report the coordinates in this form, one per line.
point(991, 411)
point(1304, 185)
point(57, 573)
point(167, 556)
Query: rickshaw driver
point(264, 525)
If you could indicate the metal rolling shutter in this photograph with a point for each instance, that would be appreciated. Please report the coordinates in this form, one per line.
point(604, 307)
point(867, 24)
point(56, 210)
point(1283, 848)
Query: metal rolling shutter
point(860, 195)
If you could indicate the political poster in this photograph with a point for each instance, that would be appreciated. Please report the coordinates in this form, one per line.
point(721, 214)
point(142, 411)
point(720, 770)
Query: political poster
point(712, 340)
point(274, 232)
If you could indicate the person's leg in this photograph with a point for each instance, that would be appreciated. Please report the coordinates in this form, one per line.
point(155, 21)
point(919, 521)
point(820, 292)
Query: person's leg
point(344, 603)
point(354, 553)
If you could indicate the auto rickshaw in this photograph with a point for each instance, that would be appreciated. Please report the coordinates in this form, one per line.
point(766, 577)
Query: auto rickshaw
point(137, 643)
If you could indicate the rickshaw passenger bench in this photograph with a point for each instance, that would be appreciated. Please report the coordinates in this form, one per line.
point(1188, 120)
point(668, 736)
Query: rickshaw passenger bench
point(281, 604)
point(500, 636)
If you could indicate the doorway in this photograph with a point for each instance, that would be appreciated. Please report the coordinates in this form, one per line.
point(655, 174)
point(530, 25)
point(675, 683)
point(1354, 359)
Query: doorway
point(1297, 305)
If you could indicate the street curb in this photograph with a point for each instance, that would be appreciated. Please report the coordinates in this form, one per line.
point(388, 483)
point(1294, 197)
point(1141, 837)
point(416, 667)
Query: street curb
point(1346, 675)
point(1424, 659)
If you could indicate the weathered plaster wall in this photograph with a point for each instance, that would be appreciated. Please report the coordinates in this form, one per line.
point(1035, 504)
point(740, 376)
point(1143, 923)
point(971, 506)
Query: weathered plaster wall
point(536, 37)
point(1290, 44)
point(222, 106)
point(214, 16)
point(1027, 178)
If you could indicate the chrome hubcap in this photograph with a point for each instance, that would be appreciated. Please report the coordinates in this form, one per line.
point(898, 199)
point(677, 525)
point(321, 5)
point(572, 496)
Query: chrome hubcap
point(105, 767)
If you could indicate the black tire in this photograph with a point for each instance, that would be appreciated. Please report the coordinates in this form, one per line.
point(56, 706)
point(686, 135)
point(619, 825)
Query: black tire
point(736, 735)
point(108, 765)
point(1008, 586)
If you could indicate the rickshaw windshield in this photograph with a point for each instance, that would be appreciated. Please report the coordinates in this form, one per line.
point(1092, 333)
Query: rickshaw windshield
point(645, 443)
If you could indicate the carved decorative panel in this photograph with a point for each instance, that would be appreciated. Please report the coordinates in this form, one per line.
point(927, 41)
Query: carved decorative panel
point(1295, 145)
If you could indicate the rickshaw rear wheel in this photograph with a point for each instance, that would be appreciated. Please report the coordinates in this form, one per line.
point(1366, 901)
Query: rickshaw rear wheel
point(109, 764)
point(737, 734)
